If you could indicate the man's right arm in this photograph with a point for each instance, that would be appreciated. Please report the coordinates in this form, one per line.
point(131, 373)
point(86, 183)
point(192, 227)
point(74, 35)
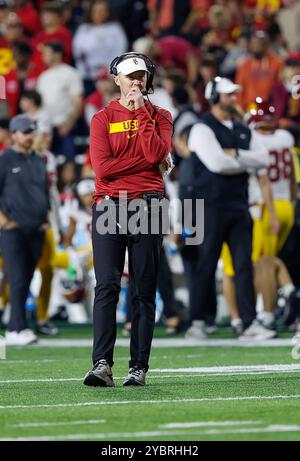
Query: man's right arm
point(104, 164)
point(204, 143)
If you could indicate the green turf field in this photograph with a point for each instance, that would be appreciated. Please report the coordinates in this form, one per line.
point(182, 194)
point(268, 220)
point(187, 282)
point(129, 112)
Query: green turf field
point(192, 393)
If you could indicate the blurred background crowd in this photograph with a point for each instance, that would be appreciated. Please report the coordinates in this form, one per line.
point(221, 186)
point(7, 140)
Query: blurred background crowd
point(55, 56)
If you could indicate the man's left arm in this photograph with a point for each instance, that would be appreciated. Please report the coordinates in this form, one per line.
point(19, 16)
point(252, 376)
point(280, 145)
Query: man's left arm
point(155, 141)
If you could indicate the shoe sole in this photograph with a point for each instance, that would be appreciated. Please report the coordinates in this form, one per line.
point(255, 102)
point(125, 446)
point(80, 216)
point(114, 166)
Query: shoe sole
point(257, 338)
point(133, 382)
point(197, 338)
point(94, 381)
point(34, 341)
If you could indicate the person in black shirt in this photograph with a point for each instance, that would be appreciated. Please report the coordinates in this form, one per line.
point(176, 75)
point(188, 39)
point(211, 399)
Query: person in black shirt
point(24, 206)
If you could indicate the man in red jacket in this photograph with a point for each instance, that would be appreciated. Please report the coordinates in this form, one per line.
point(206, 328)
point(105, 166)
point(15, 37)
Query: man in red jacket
point(129, 141)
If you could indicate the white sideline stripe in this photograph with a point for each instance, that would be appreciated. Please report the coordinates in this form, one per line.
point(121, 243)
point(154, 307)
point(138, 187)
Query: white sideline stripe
point(120, 359)
point(2, 362)
point(207, 423)
point(40, 380)
point(173, 376)
point(167, 342)
point(109, 435)
point(230, 369)
point(204, 371)
point(253, 430)
point(177, 401)
point(97, 436)
point(67, 423)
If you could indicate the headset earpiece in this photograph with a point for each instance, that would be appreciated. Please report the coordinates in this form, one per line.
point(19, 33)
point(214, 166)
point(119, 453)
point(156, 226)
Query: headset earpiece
point(113, 66)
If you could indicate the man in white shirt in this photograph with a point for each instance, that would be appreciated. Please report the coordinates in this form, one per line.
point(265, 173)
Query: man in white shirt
point(62, 94)
point(223, 150)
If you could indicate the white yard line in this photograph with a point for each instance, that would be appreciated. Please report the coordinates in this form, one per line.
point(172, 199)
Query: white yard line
point(207, 423)
point(195, 371)
point(168, 342)
point(110, 435)
point(4, 361)
point(57, 423)
point(253, 430)
point(131, 402)
point(230, 369)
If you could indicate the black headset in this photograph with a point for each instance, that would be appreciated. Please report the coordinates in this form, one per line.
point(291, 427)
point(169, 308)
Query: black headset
point(149, 64)
point(214, 95)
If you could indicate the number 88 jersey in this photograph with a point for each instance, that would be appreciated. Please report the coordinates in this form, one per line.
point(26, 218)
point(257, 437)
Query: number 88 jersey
point(280, 169)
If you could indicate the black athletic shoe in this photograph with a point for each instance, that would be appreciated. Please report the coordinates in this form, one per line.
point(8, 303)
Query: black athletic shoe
point(46, 329)
point(100, 375)
point(136, 377)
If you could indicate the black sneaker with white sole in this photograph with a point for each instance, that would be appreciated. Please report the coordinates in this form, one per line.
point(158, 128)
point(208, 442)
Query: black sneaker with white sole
point(100, 375)
point(46, 329)
point(136, 377)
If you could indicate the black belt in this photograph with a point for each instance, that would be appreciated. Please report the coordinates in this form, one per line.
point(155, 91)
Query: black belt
point(147, 197)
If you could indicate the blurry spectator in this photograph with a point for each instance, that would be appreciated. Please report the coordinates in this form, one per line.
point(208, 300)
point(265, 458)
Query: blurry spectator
point(133, 16)
point(87, 170)
point(186, 115)
point(12, 29)
point(289, 20)
point(171, 53)
point(215, 142)
point(28, 16)
point(164, 88)
point(47, 260)
point(236, 56)
point(97, 42)
point(31, 104)
point(61, 89)
point(23, 221)
point(5, 137)
point(53, 30)
point(67, 177)
point(219, 30)
point(73, 12)
point(287, 107)
point(174, 17)
point(4, 10)
point(80, 217)
point(22, 78)
point(208, 70)
point(258, 73)
point(260, 12)
point(106, 90)
point(277, 42)
point(12, 32)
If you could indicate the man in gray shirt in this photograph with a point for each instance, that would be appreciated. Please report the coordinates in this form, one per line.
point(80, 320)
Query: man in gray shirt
point(24, 206)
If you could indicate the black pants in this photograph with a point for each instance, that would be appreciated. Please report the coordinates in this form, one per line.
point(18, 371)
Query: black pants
point(190, 258)
point(165, 287)
point(235, 228)
point(21, 253)
point(109, 254)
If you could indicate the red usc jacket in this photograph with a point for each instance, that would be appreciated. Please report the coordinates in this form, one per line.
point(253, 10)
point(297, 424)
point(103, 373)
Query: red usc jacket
point(126, 148)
